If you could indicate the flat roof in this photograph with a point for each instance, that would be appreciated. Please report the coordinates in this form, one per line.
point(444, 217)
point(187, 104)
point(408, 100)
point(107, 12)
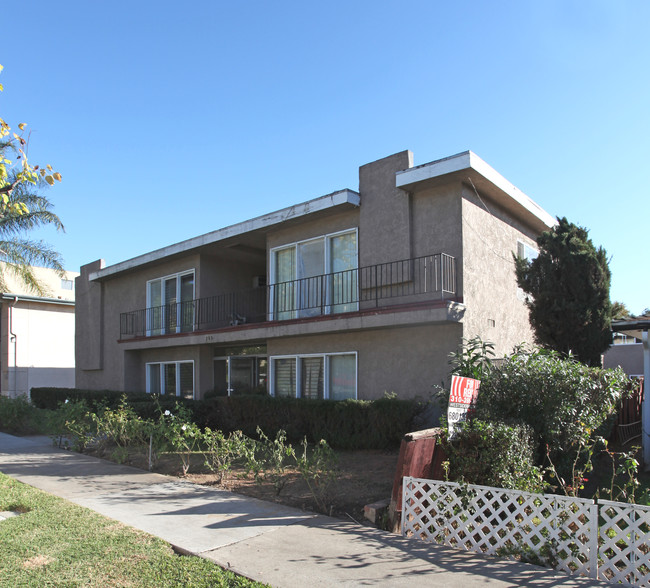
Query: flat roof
point(328, 201)
point(486, 177)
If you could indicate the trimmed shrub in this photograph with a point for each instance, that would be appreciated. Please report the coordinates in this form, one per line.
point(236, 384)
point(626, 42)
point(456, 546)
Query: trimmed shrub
point(51, 398)
point(494, 454)
point(347, 424)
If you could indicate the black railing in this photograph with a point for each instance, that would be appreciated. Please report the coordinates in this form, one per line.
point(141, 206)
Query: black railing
point(385, 284)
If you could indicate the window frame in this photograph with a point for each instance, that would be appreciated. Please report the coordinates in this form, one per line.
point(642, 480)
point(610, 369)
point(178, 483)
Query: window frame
point(326, 371)
point(327, 264)
point(162, 330)
point(161, 366)
point(522, 252)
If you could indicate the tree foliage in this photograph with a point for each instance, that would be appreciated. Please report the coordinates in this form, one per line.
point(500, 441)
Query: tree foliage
point(23, 208)
point(568, 287)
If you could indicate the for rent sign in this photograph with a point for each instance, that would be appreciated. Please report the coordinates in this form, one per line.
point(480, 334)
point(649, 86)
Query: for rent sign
point(462, 400)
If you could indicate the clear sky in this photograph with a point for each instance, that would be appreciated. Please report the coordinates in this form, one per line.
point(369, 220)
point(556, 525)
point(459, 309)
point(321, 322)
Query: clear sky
point(168, 120)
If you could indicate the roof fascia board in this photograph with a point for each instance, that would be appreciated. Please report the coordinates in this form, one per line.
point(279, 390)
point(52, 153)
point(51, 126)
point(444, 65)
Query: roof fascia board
point(268, 220)
point(468, 160)
point(43, 300)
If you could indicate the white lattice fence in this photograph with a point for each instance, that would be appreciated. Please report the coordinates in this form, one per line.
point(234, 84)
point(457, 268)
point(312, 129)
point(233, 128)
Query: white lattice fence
point(560, 531)
point(624, 552)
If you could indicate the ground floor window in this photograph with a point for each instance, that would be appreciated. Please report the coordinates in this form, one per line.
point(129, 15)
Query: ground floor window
point(330, 376)
point(172, 378)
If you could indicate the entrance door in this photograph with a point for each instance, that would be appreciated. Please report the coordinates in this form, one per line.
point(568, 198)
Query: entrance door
point(235, 376)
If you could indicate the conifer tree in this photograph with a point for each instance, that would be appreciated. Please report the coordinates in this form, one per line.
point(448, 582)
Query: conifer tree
point(568, 286)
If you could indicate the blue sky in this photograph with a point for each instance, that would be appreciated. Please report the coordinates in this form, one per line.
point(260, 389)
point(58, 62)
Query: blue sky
point(169, 120)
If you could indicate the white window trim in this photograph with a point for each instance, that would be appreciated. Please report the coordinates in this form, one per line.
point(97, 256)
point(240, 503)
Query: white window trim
point(326, 371)
point(178, 276)
point(162, 365)
point(326, 259)
point(525, 246)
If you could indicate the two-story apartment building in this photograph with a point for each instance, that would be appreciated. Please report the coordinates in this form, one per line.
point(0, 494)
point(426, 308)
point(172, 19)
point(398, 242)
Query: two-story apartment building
point(349, 295)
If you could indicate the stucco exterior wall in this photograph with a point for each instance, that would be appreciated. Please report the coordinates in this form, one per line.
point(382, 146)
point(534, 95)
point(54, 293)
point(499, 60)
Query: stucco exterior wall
point(628, 356)
point(312, 229)
point(407, 361)
point(385, 219)
point(496, 311)
point(41, 352)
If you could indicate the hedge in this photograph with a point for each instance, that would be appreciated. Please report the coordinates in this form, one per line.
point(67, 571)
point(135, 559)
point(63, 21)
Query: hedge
point(51, 398)
point(346, 424)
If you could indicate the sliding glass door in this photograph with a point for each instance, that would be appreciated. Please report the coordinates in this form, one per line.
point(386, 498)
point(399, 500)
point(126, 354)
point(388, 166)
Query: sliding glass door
point(315, 277)
point(170, 304)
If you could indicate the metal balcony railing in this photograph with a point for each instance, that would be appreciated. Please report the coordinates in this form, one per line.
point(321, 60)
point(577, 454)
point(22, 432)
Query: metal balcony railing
point(418, 279)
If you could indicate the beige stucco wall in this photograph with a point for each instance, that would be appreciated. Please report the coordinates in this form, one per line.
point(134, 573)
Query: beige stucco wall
point(41, 353)
point(407, 361)
point(490, 290)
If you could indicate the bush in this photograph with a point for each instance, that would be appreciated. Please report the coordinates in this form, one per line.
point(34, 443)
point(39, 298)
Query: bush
point(562, 400)
point(347, 424)
point(494, 454)
point(17, 415)
point(51, 398)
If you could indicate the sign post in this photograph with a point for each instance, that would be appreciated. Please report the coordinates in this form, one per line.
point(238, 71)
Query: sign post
point(462, 401)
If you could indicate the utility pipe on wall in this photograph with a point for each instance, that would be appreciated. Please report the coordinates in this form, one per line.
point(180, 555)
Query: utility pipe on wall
point(14, 339)
point(645, 415)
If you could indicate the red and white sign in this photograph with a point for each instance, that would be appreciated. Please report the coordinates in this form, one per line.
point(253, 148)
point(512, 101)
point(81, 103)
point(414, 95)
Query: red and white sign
point(462, 400)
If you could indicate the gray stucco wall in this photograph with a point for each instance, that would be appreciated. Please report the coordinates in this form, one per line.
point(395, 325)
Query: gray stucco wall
point(495, 310)
point(407, 361)
point(628, 356)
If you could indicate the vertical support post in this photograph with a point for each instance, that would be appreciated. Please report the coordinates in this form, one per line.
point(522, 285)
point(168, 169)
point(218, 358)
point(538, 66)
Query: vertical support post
point(646, 402)
point(593, 540)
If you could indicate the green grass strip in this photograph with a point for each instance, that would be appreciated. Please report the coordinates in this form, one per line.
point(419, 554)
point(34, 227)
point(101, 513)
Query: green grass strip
point(57, 543)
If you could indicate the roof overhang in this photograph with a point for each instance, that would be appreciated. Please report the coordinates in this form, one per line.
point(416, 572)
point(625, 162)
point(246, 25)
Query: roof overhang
point(469, 168)
point(41, 299)
point(337, 200)
point(633, 327)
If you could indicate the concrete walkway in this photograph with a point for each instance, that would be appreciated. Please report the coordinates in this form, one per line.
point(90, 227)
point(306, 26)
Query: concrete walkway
point(281, 546)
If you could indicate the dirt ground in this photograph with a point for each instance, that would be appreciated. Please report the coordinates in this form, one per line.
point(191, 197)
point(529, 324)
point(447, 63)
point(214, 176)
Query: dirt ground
point(363, 477)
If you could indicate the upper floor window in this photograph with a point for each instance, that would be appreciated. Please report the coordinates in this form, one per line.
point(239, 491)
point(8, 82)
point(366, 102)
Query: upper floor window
point(170, 304)
point(526, 251)
point(67, 284)
point(313, 277)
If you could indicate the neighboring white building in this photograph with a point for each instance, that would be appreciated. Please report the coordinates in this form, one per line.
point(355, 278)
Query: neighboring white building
point(37, 334)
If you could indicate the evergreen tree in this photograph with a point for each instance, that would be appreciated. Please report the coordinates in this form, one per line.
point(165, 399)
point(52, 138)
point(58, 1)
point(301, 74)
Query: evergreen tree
point(568, 284)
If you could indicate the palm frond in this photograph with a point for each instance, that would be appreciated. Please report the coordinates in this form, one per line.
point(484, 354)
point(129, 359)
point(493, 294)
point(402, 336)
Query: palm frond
point(20, 255)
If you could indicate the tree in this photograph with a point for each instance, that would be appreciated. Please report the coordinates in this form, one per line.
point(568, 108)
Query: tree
point(568, 284)
point(23, 209)
point(619, 311)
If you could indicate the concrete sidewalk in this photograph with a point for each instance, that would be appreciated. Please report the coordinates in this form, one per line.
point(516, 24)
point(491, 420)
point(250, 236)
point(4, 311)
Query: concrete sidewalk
point(271, 543)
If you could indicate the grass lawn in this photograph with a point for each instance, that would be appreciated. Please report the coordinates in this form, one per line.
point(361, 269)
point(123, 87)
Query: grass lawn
point(56, 543)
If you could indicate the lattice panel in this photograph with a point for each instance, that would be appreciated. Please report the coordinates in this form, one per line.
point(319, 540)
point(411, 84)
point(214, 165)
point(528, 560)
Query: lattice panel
point(624, 553)
point(560, 531)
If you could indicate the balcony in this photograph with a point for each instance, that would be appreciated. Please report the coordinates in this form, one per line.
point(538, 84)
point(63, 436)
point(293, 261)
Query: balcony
point(416, 280)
